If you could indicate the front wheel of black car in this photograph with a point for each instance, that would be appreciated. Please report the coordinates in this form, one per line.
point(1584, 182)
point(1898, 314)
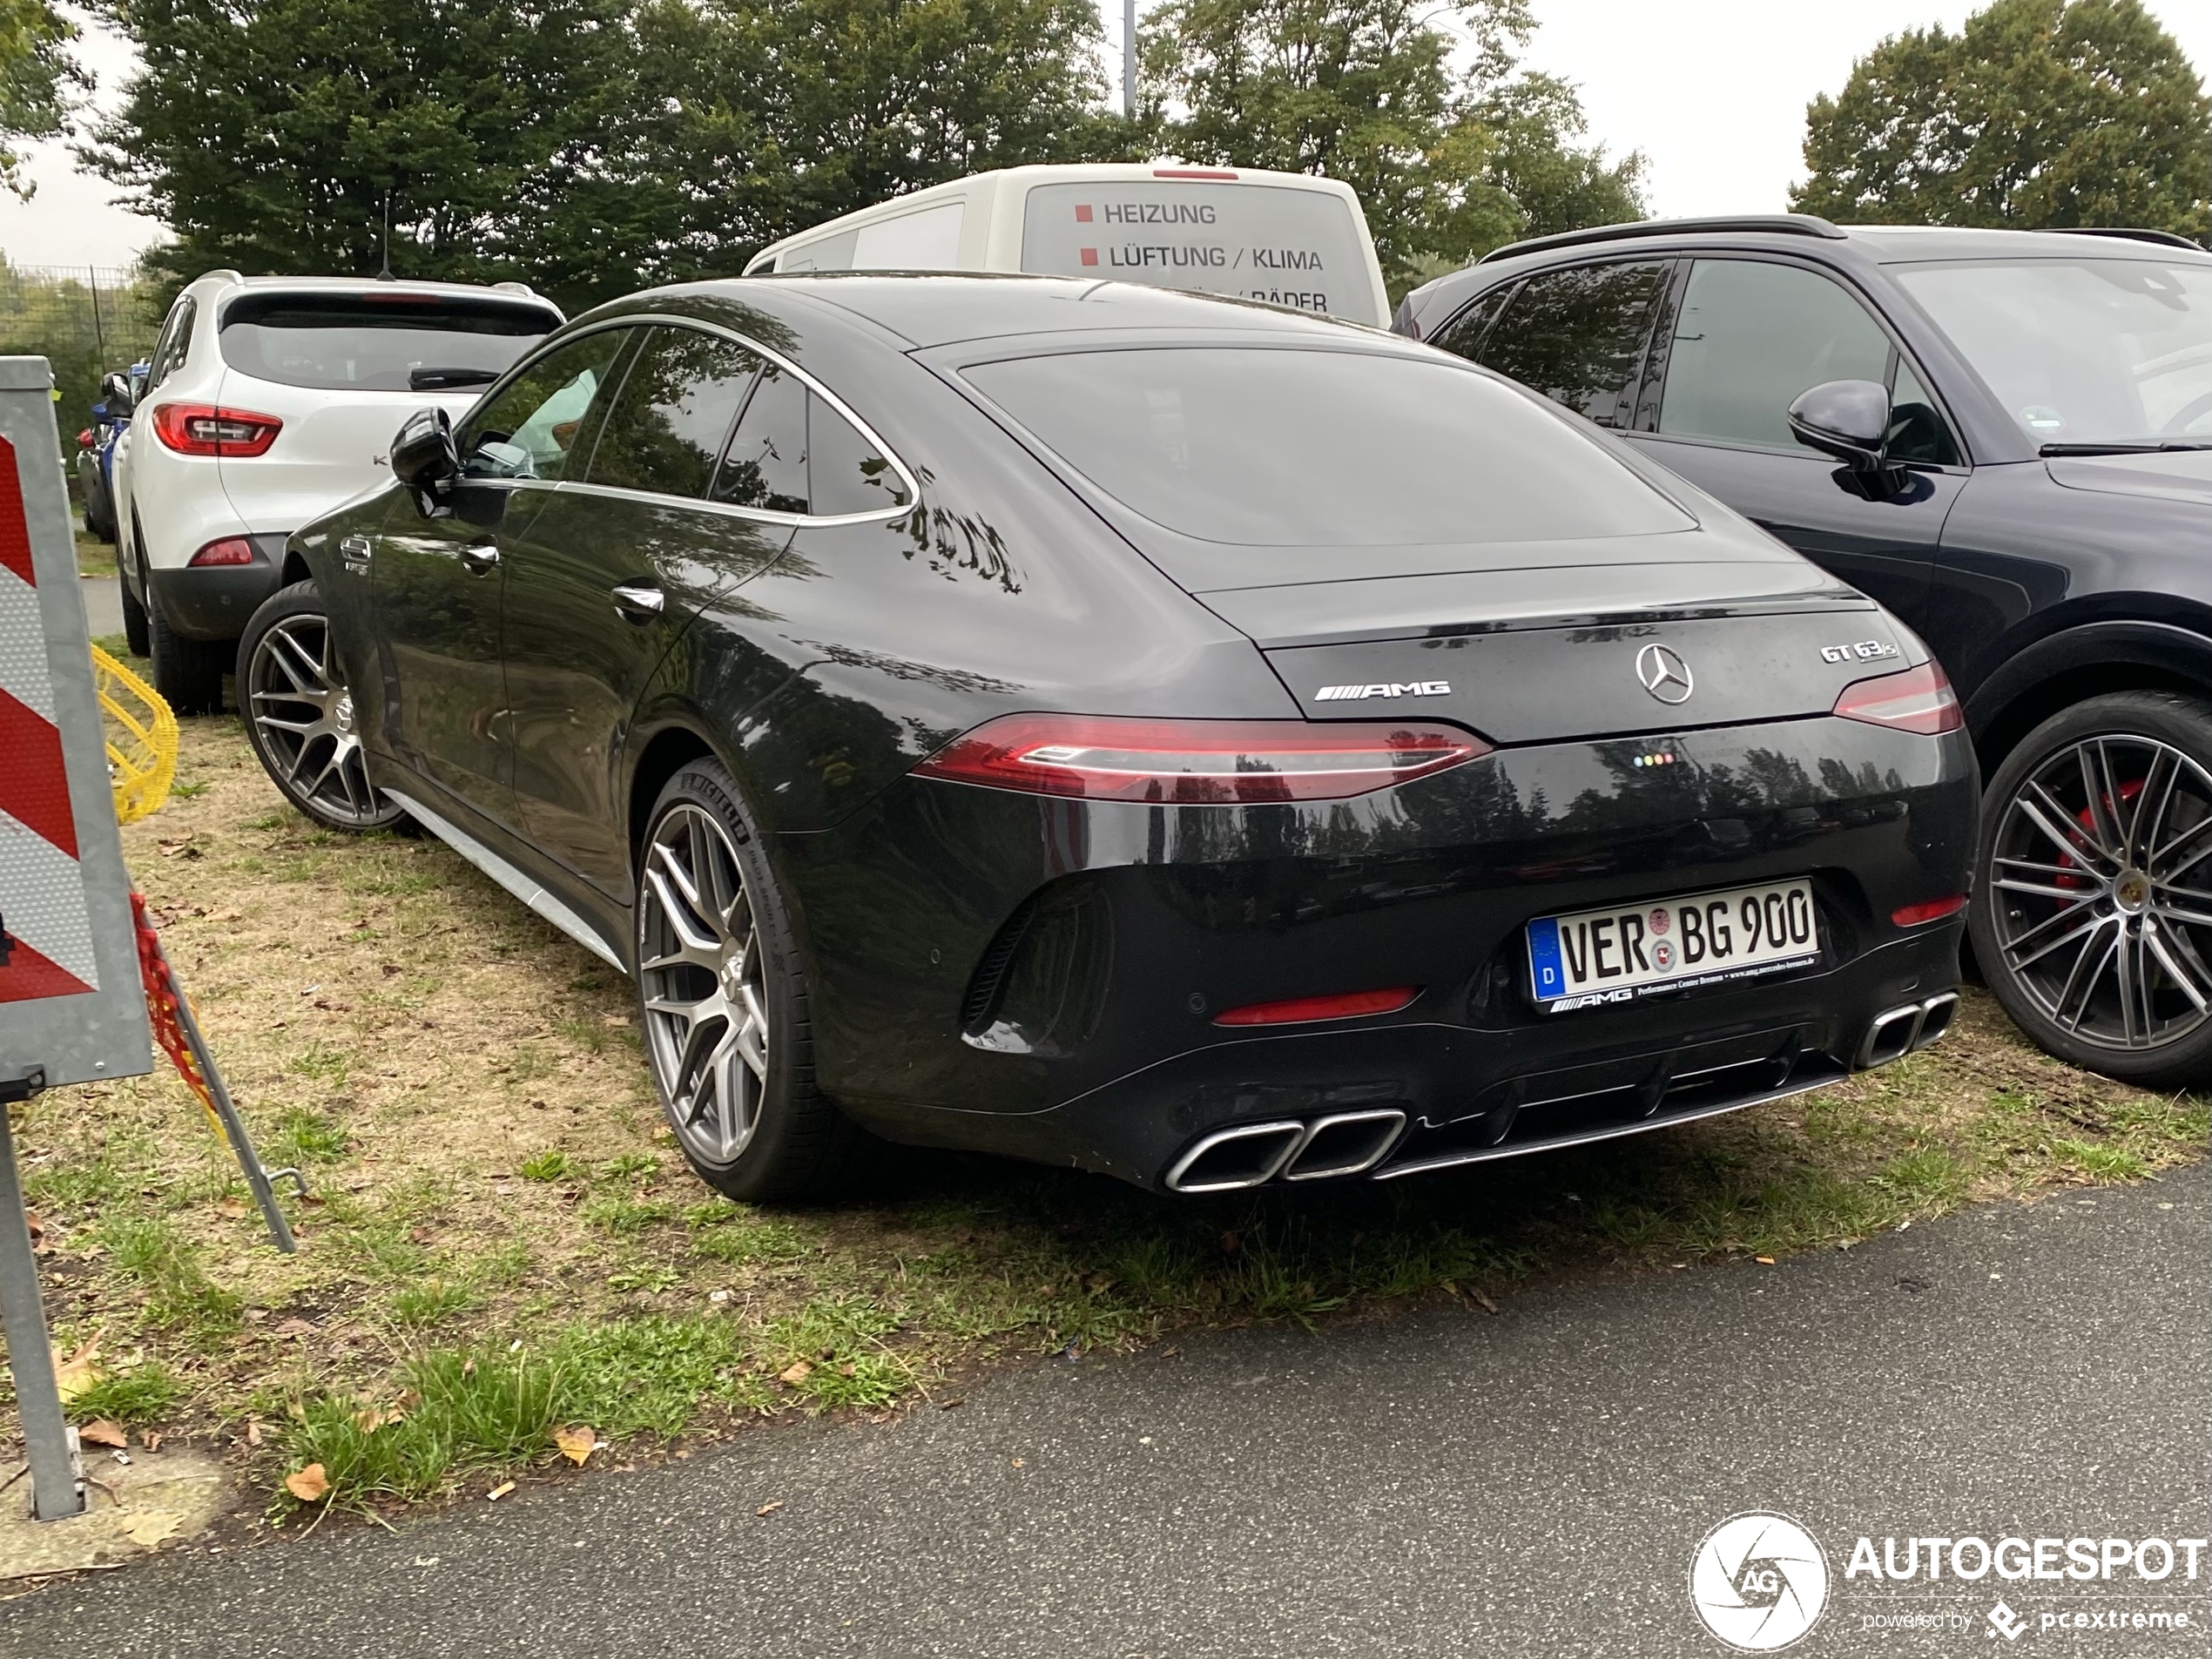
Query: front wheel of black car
point(722, 997)
point(2093, 915)
point(300, 714)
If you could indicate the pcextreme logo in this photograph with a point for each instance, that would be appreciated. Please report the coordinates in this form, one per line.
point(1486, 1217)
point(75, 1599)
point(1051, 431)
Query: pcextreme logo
point(1759, 1581)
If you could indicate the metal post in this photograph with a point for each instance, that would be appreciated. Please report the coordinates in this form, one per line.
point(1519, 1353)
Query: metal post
point(1129, 58)
point(99, 334)
point(234, 1129)
point(56, 1476)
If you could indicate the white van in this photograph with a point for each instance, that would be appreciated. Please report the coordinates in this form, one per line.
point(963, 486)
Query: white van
point(1286, 238)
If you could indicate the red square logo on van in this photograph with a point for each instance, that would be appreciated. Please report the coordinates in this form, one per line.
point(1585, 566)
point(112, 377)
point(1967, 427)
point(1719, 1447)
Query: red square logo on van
point(1083, 212)
point(1089, 254)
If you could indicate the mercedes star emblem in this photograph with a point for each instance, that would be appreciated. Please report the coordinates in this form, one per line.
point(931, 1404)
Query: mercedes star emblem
point(1664, 674)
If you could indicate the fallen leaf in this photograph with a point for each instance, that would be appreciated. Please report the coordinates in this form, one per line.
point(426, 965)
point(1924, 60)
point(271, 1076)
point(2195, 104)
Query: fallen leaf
point(103, 1431)
point(1488, 1305)
point(407, 1401)
point(292, 1328)
point(795, 1373)
point(576, 1444)
point(231, 1207)
point(253, 1431)
point(1768, 1260)
point(845, 1369)
point(369, 1419)
point(151, 1438)
point(76, 1373)
point(769, 1509)
point(500, 1491)
point(38, 1227)
point(950, 1405)
point(1018, 1464)
point(308, 1485)
point(151, 1529)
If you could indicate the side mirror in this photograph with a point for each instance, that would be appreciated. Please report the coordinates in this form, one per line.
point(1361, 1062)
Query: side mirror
point(1849, 420)
point(115, 392)
point(423, 459)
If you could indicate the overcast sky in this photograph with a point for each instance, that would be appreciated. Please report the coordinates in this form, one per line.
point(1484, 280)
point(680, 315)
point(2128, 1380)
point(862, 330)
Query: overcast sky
point(1713, 91)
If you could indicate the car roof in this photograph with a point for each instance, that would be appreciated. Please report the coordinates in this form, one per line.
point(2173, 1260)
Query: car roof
point(935, 309)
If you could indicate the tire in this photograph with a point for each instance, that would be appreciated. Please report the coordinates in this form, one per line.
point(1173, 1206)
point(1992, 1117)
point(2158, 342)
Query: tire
point(737, 1089)
point(135, 626)
point(300, 718)
point(2092, 913)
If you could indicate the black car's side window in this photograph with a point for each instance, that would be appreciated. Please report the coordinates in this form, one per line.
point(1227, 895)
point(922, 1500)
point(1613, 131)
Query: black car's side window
point(765, 463)
point(1750, 336)
point(1918, 431)
point(845, 472)
point(1463, 335)
point(664, 429)
point(1577, 335)
point(545, 417)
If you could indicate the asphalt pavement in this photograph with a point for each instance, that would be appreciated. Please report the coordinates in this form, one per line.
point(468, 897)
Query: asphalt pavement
point(1442, 1482)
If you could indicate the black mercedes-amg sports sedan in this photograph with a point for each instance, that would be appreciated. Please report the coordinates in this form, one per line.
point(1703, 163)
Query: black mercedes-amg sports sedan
point(1126, 729)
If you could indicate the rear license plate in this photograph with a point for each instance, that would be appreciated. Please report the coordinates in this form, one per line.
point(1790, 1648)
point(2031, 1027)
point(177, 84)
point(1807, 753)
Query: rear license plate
point(1625, 954)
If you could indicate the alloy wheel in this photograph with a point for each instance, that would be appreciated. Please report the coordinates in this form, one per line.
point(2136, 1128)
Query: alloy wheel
point(702, 976)
point(304, 717)
point(2102, 891)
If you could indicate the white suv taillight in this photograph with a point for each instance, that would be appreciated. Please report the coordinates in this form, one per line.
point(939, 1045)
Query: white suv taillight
point(205, 429)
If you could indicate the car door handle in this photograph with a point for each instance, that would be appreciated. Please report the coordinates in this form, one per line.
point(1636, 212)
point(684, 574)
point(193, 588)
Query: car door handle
point(480, 557)
point(638, 602)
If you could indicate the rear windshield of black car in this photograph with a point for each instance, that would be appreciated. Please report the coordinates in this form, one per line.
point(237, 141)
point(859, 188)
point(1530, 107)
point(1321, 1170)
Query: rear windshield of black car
point(380, 342)
point(1264, 447)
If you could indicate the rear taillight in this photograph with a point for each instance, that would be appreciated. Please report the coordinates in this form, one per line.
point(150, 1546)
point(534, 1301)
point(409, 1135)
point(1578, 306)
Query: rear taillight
point(203, 430)
point(1919, 699)
point(1302, 1011)
point(232, 550)
point(1102, 758)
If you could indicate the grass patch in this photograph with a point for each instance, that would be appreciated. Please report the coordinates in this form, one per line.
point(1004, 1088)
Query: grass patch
point(145, 1394)
point(175, 1289)
point(503, 1241)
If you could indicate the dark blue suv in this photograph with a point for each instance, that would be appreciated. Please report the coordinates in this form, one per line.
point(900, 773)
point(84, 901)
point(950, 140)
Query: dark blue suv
point(2004, 437)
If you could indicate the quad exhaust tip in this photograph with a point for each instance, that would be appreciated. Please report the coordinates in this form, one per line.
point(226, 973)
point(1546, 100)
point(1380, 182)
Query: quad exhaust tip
point(1250, 1155)
point(1902, 1030)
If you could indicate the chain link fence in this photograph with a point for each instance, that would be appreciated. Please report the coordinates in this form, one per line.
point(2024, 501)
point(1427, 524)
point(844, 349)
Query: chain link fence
point(85, 319)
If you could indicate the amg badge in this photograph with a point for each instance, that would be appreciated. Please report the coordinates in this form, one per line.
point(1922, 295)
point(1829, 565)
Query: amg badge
point(1404, 688)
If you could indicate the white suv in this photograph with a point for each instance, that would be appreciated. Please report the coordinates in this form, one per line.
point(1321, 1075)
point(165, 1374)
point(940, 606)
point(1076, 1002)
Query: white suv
point(268, 400)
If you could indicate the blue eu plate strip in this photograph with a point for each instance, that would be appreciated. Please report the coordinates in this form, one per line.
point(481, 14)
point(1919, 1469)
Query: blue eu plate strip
point(1543, 959)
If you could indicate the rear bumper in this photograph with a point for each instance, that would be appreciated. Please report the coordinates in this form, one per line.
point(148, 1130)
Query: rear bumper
point(1040, 977)
point(1407, 1099)
point(215, 601)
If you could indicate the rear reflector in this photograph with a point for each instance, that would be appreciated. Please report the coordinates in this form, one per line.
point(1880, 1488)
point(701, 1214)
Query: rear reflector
point(1106, 758)
point(1301, 1010)
point(232, 550)
point(1919, 699)
point(203, 429)
point(1912, 915)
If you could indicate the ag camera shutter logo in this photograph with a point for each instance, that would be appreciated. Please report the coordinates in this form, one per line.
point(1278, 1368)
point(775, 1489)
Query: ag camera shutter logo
point(1759, 1581)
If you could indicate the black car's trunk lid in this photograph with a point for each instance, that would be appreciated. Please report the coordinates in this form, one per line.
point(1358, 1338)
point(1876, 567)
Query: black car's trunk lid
point(1565, 651)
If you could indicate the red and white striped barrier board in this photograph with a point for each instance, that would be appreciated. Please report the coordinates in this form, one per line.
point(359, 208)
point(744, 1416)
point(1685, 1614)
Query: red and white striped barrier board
point(45, 935)
point(72, 1007)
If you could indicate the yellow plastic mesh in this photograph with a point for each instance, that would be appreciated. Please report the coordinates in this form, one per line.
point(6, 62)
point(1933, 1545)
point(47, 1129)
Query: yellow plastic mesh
point(141, 736)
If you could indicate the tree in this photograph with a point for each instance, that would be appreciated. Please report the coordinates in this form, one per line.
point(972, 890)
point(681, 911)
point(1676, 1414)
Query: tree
point(1450, 160)
point(756, 119)
point(2036, 113)
point(37, 81)
point(273, 135)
